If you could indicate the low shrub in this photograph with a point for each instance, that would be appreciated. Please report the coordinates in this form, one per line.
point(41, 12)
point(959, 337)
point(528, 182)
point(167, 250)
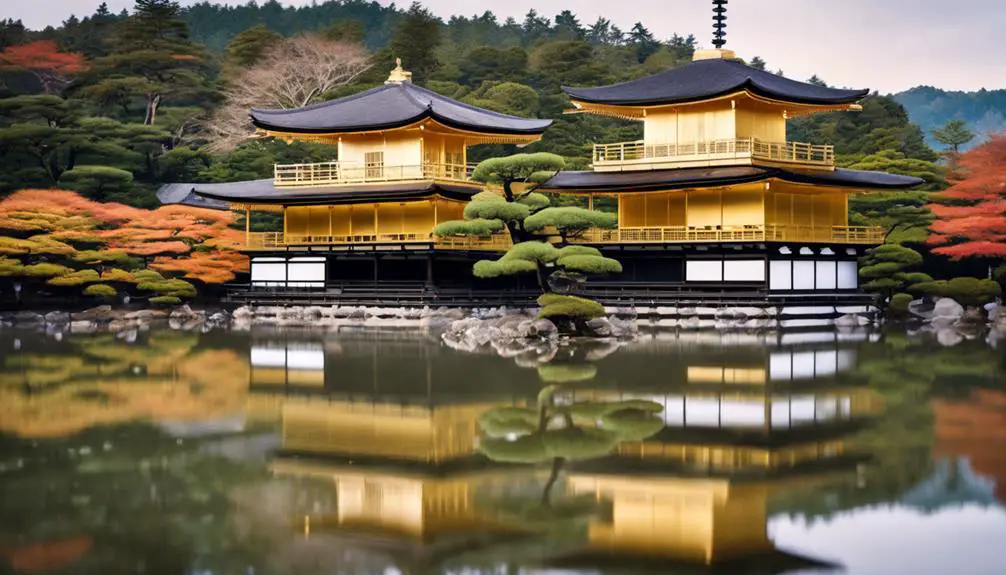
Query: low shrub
point(966, 291)
point(558, 306)
point(75, 279)
point(899, 303)
point(100, 290)
point(165, 300)
point(46, 270)
point(172, 287)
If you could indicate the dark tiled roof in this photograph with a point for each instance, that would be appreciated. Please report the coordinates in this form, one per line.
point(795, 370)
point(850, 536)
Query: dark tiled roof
point(706, 79)
point(652, 180)
point(392, 106)
point(265, 192)
point(182, 194)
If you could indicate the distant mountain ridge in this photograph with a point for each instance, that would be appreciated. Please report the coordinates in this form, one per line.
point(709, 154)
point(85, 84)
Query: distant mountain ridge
point(930, 108)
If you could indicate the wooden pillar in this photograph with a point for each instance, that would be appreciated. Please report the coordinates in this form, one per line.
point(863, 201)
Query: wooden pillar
point(284, 223)
point(376, 275)
point(429, 270)
point(330, 210)
point(376, 227)
point(247, 225)
point(590, 202)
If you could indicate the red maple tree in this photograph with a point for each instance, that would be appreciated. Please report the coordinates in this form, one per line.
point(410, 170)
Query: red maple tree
point(971, 214)
point(43, 59)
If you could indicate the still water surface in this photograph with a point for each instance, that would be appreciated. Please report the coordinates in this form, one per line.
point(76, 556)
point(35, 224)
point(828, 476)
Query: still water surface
point(364, 453)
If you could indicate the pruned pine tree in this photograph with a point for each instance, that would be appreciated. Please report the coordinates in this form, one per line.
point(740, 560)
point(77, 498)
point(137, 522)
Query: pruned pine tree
point(541, 234)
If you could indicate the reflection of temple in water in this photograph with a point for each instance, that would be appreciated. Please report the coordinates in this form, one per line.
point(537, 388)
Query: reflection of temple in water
point(403, 461)
point(401, 455)
point(741, 426)
point(385, 367)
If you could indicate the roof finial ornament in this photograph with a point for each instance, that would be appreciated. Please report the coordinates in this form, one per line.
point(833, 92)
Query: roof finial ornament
point(720, 23)
point(398, 75)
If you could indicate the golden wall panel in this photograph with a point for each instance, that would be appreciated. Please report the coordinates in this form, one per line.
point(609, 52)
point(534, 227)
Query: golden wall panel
point(340, 221)
point(362, 219)
point(743, 208)
point(704, 209)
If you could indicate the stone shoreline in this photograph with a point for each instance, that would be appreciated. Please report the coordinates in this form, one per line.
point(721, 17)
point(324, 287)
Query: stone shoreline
point(499, 328)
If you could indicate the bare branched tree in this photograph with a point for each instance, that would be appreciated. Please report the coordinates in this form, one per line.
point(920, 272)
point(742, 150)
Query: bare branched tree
point(291, 74)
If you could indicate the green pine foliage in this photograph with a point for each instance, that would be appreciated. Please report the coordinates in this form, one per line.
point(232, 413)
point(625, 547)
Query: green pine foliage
point(45, 270)
point(165, 300)
point(100, 290)
point(568, 307)
point(887, 269)
point(966, 291)
point(76, 278)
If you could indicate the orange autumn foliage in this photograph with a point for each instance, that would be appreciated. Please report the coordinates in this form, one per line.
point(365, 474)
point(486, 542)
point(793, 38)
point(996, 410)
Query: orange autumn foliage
point(68, 205)
point(209, 267)
point(43, 59)
point(155, 248)
point(50, 556)
point(974, 427)
point(52, 222)
point(971, 218)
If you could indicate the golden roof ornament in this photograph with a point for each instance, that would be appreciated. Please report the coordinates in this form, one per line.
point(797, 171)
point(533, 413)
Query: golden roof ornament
point(399, 75)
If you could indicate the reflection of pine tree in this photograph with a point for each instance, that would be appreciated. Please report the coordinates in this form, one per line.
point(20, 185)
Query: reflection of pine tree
point(559, 434)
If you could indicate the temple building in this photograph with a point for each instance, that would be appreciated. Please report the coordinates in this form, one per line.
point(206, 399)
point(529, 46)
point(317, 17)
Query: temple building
point(368, 215)
point(715, 193)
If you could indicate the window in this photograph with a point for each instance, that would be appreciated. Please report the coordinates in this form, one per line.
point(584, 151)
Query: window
point(374, 164)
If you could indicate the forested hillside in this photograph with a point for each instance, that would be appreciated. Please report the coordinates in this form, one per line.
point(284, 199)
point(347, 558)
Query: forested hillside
point(984, 111)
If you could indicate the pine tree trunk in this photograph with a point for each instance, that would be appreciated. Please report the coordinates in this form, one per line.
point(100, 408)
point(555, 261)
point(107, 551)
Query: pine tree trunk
point(153, 102)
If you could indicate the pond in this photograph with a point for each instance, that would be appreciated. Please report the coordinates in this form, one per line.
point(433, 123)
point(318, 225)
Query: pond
point(270, 451)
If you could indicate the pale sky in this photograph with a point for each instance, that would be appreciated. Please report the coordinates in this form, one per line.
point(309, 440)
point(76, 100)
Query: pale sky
point(885, 45)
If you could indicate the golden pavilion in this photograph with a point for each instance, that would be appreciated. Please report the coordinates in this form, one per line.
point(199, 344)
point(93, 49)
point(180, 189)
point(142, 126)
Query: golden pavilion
point(713, 198)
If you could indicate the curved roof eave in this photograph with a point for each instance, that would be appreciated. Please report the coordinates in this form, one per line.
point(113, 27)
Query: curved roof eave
point(709, 79)
point(683, 178)
point(265, 192)
point(393, 106)
point(747, 86)
point(425, 114)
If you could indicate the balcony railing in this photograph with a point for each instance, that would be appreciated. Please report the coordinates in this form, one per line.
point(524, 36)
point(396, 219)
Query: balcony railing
point(338, 173)
point(279, 240)
point(639, 154)
point(770, 233)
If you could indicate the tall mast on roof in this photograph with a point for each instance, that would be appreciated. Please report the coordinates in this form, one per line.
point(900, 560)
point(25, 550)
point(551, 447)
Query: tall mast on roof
point(720, 23)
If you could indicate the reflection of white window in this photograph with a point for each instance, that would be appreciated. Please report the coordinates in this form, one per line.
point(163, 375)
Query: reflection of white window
point(268, 357)
point(825, 363)
point(702, 412)
point(305, 359)
point(674, 410)
point(802, 409)
point(780, 413)
point(780, 366)
point(803, 365)
point(737, 413)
